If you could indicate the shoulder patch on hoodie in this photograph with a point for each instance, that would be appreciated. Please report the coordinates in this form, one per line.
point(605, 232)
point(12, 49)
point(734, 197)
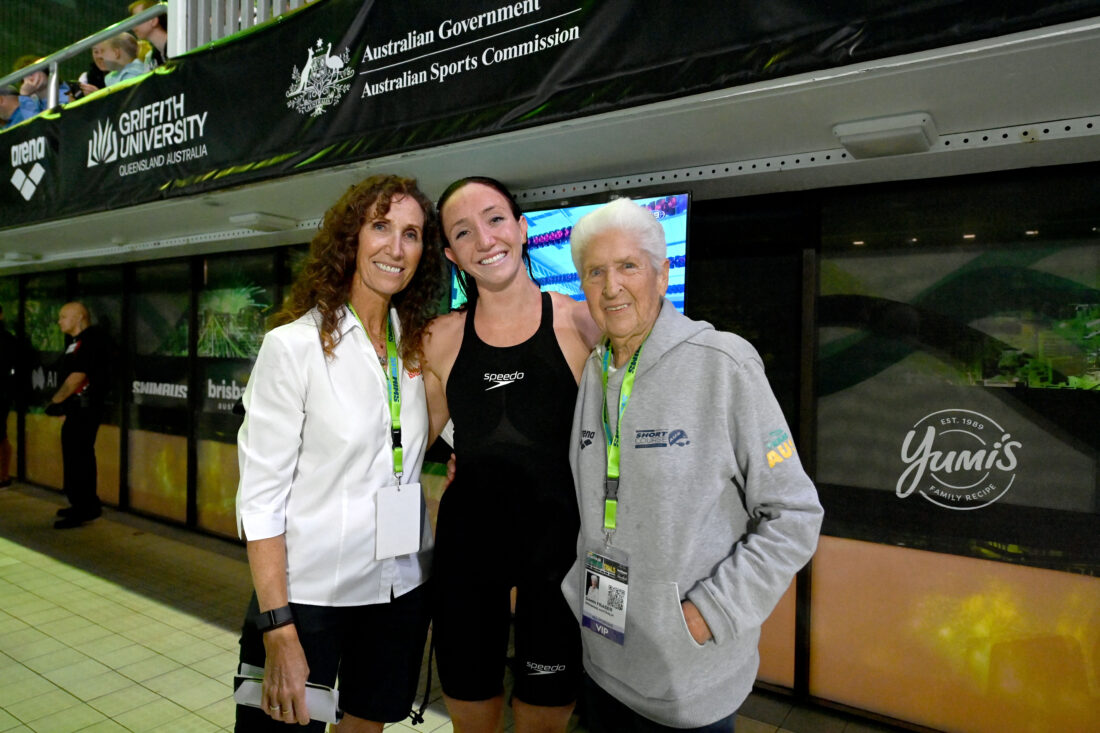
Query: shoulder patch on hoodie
point(779, 447)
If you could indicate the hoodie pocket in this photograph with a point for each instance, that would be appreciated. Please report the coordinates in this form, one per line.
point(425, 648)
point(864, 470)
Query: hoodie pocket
point(659, 659)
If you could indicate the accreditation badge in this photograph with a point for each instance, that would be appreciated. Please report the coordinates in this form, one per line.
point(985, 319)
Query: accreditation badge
point(398, 526)
point(605, 584)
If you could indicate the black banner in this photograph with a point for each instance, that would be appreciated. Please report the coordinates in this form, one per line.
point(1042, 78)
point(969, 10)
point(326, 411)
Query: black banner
point(346, 80)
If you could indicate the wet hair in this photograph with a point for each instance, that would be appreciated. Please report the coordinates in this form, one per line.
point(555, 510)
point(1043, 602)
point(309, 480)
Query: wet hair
point(465, 282)
point(325, 279)
point(625, 216)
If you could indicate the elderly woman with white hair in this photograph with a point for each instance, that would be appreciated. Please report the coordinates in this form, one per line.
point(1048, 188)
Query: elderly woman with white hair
point(695, 510)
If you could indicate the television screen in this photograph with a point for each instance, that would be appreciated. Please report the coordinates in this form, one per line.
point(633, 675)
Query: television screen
point(548, 233)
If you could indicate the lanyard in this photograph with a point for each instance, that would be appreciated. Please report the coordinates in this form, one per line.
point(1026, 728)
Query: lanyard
point(393, 391)
point(611, 484)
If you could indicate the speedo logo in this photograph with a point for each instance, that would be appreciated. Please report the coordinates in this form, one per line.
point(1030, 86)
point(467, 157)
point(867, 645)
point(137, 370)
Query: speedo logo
point(502, 380)
point(534, 668)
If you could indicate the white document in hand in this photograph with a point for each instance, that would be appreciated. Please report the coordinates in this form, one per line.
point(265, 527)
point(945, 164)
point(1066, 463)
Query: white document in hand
point(323, 702)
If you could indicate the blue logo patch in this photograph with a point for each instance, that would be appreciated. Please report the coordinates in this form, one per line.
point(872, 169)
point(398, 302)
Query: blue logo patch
point(678, 438)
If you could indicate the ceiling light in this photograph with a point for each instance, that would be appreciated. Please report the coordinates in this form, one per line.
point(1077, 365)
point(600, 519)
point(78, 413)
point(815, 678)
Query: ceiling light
point(1032, 232)
point(898, 135)
point(859, 242)
point(969, 236)
point(262, 222)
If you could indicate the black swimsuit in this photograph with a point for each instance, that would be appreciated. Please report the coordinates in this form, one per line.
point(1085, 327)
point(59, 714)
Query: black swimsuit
point(509, 519)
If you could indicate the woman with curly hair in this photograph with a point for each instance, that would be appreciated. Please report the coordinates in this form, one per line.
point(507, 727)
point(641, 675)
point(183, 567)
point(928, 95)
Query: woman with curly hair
point(330, 451)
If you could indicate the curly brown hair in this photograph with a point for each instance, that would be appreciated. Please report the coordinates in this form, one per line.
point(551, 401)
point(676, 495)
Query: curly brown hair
point(324, 281)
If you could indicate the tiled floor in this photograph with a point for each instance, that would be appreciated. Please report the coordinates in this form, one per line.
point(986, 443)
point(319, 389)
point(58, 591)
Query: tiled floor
point(128, 625)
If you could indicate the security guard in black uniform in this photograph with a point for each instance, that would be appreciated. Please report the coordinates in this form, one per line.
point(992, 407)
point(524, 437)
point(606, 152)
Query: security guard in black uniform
point(83, 370)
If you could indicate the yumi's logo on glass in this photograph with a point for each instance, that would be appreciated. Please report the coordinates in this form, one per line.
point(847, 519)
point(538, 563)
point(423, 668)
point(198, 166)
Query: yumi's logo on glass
point(958, 459)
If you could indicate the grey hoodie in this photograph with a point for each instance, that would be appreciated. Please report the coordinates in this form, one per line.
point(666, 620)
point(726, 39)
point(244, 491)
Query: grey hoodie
point(713, 507)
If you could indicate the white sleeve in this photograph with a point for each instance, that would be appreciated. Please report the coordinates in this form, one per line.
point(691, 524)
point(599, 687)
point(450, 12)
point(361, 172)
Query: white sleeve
point(269, 440)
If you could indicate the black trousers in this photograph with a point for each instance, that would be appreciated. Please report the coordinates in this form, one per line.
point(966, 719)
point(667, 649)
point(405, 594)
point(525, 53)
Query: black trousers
point(78, 459)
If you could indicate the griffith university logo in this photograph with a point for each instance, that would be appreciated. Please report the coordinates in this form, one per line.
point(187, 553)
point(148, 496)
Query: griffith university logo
point(322, 81)
point(103, 145)
point(28, 153)
point(958, 459)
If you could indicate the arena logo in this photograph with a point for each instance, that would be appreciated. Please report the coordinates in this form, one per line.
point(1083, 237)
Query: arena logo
point(587, 436)
point(28, 152)
point(958, 459)
point(323, 80)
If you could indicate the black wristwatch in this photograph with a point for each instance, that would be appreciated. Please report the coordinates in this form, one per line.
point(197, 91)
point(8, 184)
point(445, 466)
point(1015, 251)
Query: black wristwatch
point(273, 619)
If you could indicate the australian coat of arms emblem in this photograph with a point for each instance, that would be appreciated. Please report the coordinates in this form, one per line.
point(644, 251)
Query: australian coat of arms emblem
point(322, 81)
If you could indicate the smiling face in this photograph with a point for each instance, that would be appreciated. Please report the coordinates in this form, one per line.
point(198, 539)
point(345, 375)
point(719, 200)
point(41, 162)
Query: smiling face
point(484, 238)
point(390, 246)
point(623, 288)
point(97, 56)
point(35, 82)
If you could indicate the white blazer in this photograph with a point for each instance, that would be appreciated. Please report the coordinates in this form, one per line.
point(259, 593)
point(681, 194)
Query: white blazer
point(314, 449)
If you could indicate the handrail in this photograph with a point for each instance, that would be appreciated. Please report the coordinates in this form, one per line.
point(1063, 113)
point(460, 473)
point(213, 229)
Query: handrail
point(51, 61)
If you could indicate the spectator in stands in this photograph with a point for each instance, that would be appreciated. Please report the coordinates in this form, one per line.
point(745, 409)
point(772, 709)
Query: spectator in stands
point(154, 31)
point(36, 85)
point(94, 78)
point(120, 57)
point(14, 107)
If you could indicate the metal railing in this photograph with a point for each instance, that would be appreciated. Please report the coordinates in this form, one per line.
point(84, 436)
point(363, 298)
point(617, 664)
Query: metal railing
point(50, 62)
point(203, 21)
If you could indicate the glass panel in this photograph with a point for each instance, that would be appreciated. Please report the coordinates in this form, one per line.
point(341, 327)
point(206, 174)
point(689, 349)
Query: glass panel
point(45, 345)
point(159, 313)
point(9, 300)
point(744, 274)
point(237, 296)
point(9, 319)
point(954, 643)
point(777, 643)
point(101, 292)
point(959, 367)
